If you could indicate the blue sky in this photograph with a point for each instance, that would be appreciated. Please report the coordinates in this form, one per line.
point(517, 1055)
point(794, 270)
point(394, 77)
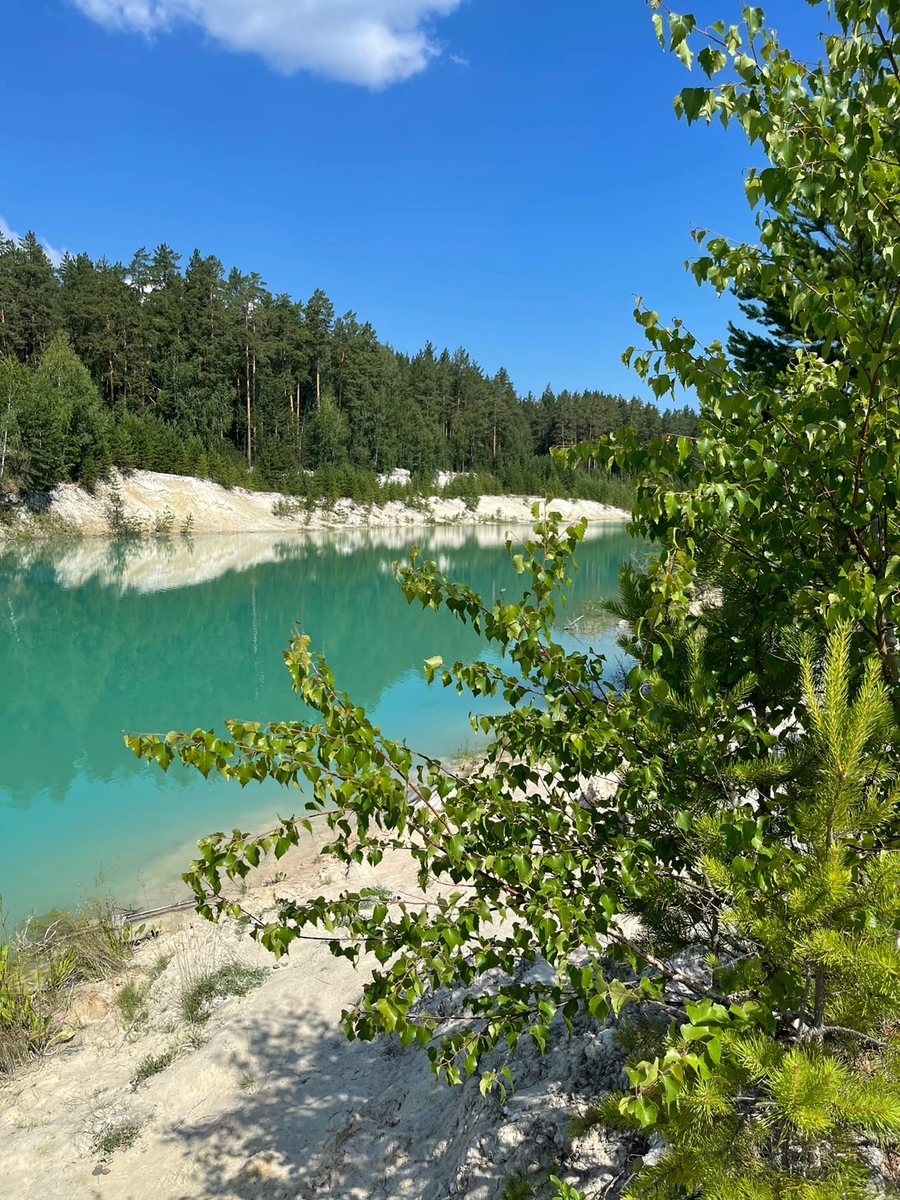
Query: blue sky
point(505, 177)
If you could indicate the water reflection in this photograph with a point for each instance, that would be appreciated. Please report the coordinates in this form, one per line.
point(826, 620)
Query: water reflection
point(164, 564)
point(97, 637)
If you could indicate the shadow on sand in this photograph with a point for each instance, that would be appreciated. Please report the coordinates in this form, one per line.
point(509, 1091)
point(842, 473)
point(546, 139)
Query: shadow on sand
point(321, 1117)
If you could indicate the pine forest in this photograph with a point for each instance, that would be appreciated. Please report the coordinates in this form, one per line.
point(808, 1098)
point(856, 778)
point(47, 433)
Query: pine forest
point(197, 372)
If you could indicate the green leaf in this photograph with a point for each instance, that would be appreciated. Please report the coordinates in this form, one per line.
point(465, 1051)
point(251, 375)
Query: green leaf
point(646, 1111)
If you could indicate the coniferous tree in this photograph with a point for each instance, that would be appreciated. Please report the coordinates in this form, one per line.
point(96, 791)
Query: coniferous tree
point(319, 319)
point(62, 425)
point(215, 362)
point(28, 297)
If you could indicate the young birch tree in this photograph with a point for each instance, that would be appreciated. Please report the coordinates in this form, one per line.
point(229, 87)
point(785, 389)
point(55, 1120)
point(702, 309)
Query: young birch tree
point(742, 888)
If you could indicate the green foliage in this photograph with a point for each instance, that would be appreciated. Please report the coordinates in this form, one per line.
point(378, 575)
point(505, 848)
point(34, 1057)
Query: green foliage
point(25, 1022)
point(28, 294)
point(91, 942)
point(197, 372)
point(758, 857)
point(739, 892)
point(328, 434)
point(764, 1092)
point(163, 523)
point(15, 381)
point(790, 489)
point(120, 524)
point(40, 966)
point(368, 898)
point(469, 489)
point(62, 427)
point(518, 1187)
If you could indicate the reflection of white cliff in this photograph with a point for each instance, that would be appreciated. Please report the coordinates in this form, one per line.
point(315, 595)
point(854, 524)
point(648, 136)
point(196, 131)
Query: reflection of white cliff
point(155, 565)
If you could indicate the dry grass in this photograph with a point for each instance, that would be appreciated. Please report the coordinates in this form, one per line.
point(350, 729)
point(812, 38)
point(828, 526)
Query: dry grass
point(41, 964)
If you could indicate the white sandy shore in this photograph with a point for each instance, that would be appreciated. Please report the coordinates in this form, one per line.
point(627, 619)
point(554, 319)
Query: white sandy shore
point(276, 1104)
point(148, 496)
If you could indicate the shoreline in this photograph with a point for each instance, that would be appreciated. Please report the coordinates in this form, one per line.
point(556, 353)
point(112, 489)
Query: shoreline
point(153, 504)
point(266, 1097)
point(149, 565)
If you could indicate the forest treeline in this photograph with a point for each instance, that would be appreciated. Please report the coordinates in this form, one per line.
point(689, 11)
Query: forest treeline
point(193, 371)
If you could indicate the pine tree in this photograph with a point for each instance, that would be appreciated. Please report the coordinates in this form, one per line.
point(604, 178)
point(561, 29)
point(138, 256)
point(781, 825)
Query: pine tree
point(318, 316)
point(765, 1080)
point(28, 298)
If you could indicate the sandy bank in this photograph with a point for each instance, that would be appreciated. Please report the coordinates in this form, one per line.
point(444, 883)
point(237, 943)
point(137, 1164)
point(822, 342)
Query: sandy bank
point(274, 1102)
point(149, 497)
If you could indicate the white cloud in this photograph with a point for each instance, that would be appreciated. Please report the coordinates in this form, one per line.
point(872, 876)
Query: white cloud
point(369, 42)
point(55, 256)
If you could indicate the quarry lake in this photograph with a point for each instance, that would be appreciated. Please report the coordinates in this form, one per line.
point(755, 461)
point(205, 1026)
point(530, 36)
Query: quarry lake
point(98, 638)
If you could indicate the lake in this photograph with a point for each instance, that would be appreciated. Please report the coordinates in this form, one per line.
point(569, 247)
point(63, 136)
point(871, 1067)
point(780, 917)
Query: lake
point(102, 637)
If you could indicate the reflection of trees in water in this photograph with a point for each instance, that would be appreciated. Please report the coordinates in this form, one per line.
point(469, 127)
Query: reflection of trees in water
point(83, 662)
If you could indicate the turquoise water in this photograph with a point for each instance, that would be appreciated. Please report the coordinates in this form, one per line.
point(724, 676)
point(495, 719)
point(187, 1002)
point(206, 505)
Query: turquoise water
point(99, 637)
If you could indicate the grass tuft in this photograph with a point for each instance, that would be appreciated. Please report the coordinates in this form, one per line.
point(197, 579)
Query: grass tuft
point(131, 999)
point(159, 965)
point(194, 1039)
point(153, 1064)
point(231, 979)
point(116, 1135)
point(132, 996)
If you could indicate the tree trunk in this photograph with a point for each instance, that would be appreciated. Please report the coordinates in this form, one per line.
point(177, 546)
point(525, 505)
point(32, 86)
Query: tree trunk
point(888, 647)
point(247, 382)
point(109, 373)
point(818, 1029)
point(6, 429)
point(885, 626)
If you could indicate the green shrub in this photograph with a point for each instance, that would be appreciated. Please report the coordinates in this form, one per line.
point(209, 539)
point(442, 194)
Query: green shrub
point(470, 488)
point(25, 1014)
